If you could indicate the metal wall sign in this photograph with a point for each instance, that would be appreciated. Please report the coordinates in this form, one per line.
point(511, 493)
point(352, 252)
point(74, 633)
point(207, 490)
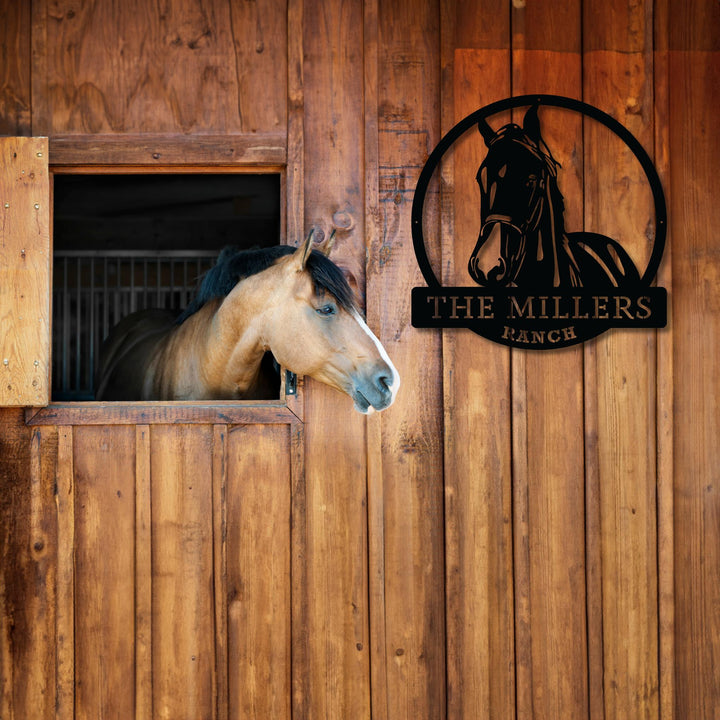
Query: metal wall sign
point(536, 283)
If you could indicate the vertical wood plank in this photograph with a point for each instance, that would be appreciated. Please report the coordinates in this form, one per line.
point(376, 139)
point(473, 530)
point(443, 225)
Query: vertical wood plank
point(219, 502)
point(104, 583)
point(338, 682)
point(295, 173)
point(665, 394)
point(28, 569)
point(65, 612)
point(478, 500)
point(24, 272)
point(15, 69)
point(412, 489)
point(375, 497)
point(143, 575)
point(617, 62)
point(258, 571)
point(548, 457)
point(299, 590)
point(183, 637)
point(39, 113)
point(694, 214)
point(260, 42)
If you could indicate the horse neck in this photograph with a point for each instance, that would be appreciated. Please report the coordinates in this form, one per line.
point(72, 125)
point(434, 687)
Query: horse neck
point(216, 352)
point(234, 344)
point(545, 236)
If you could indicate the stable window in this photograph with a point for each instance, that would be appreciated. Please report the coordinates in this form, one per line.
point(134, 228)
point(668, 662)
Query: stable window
point(127, 242)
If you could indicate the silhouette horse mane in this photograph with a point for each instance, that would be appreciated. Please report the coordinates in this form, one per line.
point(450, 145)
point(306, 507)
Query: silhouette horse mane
point(522, 241)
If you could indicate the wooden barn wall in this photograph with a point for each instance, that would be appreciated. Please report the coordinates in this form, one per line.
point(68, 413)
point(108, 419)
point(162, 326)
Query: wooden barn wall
point(522, 535)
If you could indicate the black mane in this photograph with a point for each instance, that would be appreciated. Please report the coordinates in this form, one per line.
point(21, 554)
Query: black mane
point(234, 265)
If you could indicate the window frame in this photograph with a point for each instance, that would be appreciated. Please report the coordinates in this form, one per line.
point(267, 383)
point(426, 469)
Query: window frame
point(75, 156)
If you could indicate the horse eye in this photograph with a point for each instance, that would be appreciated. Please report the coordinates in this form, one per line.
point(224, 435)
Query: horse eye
point(326, 310)
point(532, 180)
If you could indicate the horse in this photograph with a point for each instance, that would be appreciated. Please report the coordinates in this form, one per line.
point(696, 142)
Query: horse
point(522, 240)
point(293, 306)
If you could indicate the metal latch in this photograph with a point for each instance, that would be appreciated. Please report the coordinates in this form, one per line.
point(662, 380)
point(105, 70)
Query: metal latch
point(290, 383)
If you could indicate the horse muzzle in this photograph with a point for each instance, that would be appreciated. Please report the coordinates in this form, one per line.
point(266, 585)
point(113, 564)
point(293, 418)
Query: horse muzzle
point(498, 253)
point(376, 390)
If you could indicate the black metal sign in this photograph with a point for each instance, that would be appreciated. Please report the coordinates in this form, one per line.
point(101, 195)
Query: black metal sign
point(537, 284)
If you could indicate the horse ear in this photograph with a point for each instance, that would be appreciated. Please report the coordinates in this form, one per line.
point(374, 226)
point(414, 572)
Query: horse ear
point(531, 124)
point(303, 252)
point(326, 246)
point(486, 131)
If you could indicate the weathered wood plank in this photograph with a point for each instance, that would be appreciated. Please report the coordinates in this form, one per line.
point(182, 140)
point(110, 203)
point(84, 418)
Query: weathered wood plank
point(411, 450)
point(338, 673)
point(548, 457)
point(65, 597)
point(220, 517)
point(143, 575)
point(478, 490)
point(375, 494)
point(258, 571)
point(28, 569)
point(24, 272)
point(163, 413)
point(694, 145)
point(104, 580)
point(617, 62)
point(665, 391)
point(15, 69)
point(183, 636)
point(256, 149)
point(160, 67)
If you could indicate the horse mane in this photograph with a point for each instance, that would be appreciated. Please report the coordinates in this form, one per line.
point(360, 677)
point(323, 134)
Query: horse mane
point(514, 133)
point(234, 265)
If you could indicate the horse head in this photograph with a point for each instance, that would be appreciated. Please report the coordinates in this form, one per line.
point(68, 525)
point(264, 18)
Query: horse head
point(514, 181)
point(313, 327)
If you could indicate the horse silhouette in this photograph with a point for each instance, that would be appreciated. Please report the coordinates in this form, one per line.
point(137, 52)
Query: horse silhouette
point(523, 242)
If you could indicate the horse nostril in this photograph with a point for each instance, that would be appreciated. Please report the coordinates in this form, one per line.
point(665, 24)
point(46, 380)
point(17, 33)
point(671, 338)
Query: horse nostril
point(383, 382)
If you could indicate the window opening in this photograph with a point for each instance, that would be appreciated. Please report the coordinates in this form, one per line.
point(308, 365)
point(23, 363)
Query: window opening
point(123, 243)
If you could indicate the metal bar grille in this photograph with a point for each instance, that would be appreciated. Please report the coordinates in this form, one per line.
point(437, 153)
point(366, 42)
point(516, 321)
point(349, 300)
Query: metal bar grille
point(93, 291)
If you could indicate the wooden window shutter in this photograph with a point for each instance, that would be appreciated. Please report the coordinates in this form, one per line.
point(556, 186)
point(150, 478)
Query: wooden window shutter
point(24, 272)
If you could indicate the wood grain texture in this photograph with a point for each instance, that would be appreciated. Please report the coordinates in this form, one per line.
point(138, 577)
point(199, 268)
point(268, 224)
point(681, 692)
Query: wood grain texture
point(104, 577)
point(171, 67)
point(548, 454)
point(159, 151)
point(258, 571)
point(414, 570)
point(65, 599)
point(623, 410)
point(143, 574)
point(694, 87)
point(28, 569)
point(478, 473)
point(182, 604)
point(14, 68)
point(164, 413)
point(665, 394)
point(412, 491)
point(336, 592)
point(24, 272)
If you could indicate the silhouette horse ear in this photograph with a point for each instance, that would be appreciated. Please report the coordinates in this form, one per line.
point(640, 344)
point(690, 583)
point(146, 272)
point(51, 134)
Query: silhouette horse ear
point(531, 124)
point(486, 131)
